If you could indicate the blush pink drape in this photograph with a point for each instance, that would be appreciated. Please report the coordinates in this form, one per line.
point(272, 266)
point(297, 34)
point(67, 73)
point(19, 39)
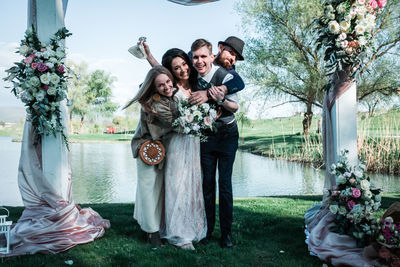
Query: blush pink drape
point(336, 249)
point(51, 222)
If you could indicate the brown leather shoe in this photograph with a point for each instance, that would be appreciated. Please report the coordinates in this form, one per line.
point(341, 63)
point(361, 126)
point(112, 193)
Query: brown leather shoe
point(154, 239)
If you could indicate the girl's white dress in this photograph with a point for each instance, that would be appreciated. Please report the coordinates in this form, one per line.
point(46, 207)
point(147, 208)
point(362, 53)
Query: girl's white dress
point(184, 218)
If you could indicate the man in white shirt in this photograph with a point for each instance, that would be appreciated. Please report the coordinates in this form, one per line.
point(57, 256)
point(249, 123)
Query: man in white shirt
point(220, 148)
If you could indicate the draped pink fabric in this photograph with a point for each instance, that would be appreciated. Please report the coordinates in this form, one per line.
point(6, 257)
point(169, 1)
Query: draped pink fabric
point(328, 246)
point(50, 222)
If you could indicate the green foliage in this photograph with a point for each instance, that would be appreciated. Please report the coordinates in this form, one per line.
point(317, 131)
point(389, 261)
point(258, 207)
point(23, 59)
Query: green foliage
point(280, 56)
point(90, 93)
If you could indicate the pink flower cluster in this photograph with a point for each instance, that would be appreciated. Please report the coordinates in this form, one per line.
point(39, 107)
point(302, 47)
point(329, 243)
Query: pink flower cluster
point(380, 3)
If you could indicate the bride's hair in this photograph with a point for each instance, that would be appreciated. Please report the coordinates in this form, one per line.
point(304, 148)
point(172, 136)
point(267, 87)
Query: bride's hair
point(147, 88)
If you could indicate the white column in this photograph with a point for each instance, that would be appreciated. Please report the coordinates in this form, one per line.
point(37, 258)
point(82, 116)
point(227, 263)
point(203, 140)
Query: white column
point(48, 17)
point(344, 122)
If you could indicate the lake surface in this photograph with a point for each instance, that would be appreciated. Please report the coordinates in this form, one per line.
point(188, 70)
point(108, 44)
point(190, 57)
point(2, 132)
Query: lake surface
point(107, 173)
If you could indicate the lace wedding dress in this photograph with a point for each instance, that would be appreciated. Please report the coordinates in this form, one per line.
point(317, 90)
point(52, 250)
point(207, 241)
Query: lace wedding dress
point(185, 218)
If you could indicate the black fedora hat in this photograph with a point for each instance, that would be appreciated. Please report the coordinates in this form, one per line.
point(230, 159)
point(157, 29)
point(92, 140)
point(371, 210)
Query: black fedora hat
point(236, 44)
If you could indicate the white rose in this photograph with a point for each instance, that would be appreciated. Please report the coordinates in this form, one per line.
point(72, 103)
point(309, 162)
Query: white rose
point(40, 95)
point(344, 26)
point(34, 81)
point(55, 79)
point(194, 107)
point(213, 113)
point(197, 113)
point(329, 9)
point(347, 18)
point(196, 127)
point(24, 50)
point(362, 41)
point(340, 9)
point(49, 64)
point(342, 210)
point(361, 10)
point(45, 78)
point(51, 91)
point(358, 174)
point(361, 2)
point(334, 27)
point(365, 185)
point(334, 209)
point(53, 60)
point(367, 194)
point(342, 36)
point(206, 107)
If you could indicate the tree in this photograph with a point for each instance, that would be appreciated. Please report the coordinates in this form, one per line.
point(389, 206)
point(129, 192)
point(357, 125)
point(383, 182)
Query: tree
point(90, 94)
point(76, 88)
point(281, 56)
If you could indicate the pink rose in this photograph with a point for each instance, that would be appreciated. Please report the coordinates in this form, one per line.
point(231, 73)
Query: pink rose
point(356, 192)
point(373, 4)
point(29, 59)
point(351, 204)
point(42, 67)
point(60, 68)
point(34, 65)
point(381, 3)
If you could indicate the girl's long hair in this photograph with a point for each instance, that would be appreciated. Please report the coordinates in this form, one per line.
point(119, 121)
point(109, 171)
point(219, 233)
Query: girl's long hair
point(176, 52)
point(147, 89)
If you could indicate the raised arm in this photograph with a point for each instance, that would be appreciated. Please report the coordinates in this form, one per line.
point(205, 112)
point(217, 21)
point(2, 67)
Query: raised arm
point(152, 61)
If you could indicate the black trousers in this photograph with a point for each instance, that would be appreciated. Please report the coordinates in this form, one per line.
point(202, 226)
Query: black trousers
point(219, 151)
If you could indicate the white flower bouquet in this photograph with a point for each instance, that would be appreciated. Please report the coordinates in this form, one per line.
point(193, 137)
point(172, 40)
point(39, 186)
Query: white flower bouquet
point(194, 120)
point(40, 81)
point(345, 32)
point(354, 200)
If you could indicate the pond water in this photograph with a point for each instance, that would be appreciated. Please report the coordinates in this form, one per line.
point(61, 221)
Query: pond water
point(106, 173)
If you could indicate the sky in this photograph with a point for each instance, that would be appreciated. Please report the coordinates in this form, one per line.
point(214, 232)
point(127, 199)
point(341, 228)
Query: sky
point(103, 31)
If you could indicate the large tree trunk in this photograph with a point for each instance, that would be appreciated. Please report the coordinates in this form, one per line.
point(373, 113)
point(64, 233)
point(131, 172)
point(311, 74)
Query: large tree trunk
point(307, 119)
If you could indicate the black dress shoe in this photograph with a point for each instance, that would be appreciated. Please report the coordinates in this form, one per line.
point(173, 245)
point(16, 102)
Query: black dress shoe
point(206, 239)
point(226, 241)
point(154, 239)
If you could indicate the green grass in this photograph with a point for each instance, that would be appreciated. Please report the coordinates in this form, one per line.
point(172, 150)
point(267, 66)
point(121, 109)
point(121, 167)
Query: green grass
point(262, 228)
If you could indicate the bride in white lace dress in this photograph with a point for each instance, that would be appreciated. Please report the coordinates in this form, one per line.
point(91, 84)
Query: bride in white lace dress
point(185, 218)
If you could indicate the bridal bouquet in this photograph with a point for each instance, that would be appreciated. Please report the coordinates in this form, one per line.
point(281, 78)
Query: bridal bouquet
point(345, 32)
point(40, 81)
point(354, 200)
point(194, 120)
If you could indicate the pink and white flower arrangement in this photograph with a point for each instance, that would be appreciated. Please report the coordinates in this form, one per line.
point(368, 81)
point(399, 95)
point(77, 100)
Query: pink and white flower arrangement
point(194, 120)
point(40, 81)
point(345, 32)
point(354, 201)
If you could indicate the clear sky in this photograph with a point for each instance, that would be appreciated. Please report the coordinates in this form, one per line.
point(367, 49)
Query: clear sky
point(103, 30)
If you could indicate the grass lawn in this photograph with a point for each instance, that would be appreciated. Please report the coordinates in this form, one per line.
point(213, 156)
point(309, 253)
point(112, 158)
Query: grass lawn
point(269, 231)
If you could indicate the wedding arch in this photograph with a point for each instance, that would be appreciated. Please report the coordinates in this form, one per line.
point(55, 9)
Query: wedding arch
point(44, 171)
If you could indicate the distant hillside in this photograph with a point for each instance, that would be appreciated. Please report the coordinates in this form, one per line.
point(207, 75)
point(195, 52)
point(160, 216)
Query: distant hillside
point(12, 114)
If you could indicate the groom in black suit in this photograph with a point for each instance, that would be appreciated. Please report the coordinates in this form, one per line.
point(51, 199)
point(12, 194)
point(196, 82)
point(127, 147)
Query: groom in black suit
point(220, 148)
